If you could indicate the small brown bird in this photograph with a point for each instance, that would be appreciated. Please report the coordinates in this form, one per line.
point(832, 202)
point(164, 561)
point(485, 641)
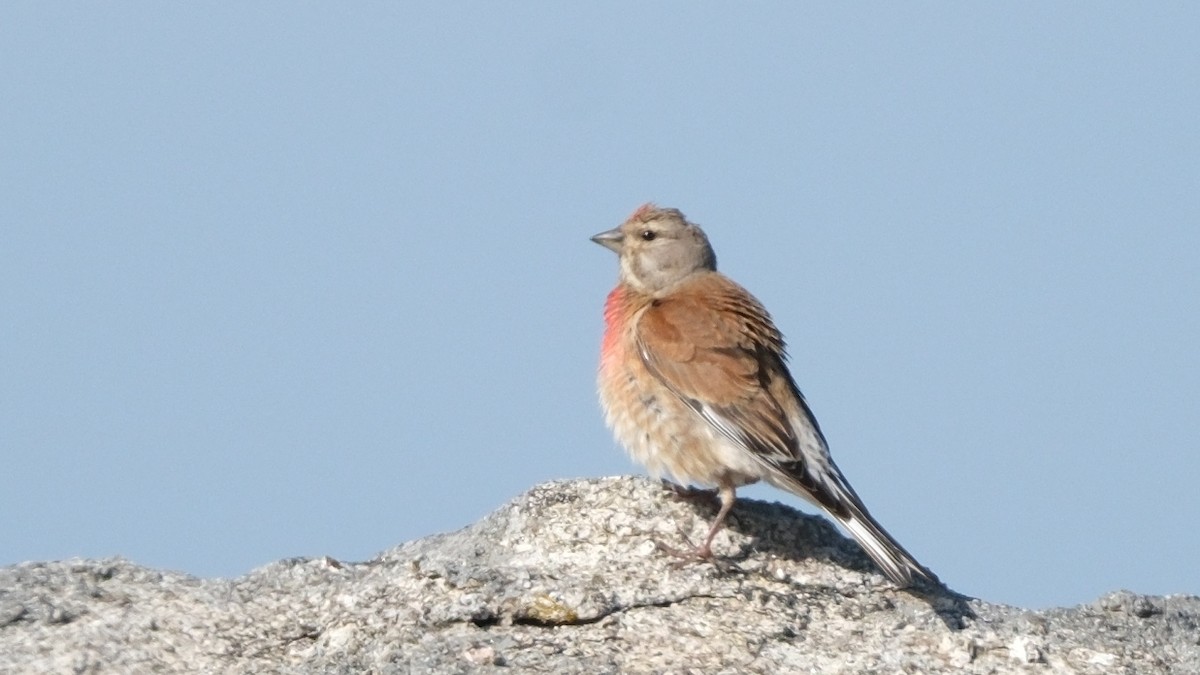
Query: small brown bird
point(694, 384)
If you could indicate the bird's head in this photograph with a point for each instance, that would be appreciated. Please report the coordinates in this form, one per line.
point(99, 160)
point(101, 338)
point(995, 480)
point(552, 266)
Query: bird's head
point(658, 248)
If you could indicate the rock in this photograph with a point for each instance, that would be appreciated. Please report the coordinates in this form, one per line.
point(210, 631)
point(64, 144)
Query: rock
point(567, 579)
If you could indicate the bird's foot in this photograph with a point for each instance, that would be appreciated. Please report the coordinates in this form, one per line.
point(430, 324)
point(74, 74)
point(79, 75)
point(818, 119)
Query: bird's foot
point(692, 554)
point(693, 494)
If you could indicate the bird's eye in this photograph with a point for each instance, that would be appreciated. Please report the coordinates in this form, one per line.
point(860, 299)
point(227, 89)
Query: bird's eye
point(649, 235)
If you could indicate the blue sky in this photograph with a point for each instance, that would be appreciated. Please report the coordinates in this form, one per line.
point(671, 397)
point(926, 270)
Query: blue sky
point(291, 279)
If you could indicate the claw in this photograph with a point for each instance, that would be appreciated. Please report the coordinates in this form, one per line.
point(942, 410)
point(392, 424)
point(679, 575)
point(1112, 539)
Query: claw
point(694, 554)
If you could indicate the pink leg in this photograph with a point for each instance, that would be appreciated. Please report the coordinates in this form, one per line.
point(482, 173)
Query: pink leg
point(728, 496)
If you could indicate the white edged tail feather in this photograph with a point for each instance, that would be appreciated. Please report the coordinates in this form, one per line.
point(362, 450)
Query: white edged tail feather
point(827, 488)
point(892, 559)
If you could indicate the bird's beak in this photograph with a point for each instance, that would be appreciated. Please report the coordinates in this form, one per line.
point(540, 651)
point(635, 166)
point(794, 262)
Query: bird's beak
point(611, 240)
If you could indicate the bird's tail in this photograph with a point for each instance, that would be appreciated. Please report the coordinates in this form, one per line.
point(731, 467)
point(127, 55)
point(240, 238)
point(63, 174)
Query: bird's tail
point(828, 489)
point(898, 564)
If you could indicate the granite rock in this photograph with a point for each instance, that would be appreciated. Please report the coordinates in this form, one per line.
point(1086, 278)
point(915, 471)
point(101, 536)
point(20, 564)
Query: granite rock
point(568, 578)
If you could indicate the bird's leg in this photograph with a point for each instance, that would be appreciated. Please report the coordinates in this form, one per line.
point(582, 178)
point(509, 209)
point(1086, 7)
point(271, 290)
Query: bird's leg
point(728, 496)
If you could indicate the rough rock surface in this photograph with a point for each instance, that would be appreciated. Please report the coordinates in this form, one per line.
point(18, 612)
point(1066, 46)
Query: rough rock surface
point(567, 579)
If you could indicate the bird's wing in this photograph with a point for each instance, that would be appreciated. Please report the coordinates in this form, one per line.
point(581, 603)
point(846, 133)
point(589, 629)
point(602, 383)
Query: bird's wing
point(715, 347)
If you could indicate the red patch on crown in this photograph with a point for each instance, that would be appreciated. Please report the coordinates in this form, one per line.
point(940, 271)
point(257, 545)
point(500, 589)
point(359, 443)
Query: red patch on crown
point(644, 211)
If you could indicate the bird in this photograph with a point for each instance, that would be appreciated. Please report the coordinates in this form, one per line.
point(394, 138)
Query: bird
point(693, 382)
